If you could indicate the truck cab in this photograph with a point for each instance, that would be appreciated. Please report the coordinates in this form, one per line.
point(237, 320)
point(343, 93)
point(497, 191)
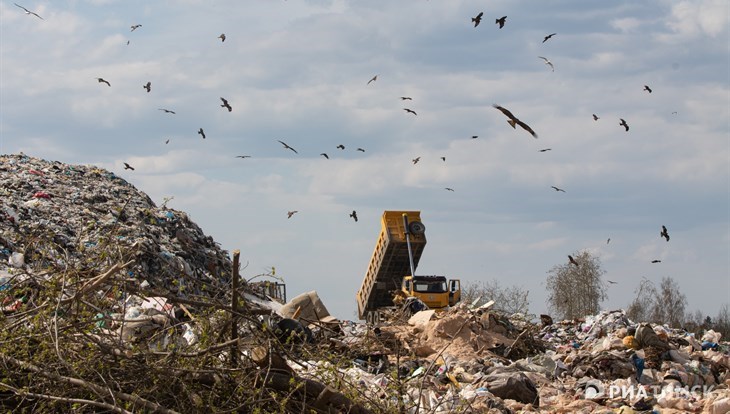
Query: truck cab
point(435, 291)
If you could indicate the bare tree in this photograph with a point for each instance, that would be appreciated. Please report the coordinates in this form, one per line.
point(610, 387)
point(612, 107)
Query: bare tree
point(694, 322)
point(722, 322)
point(665, 305)
point(670, 304)
point(509, 299)
point(576, 288)
point(641, 307)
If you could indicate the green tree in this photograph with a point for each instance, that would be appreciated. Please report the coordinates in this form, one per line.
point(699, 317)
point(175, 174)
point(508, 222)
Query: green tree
point(576, 288)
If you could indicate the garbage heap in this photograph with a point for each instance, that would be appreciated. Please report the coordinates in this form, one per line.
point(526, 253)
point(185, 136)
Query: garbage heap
point(112, 303)
point(475, 360)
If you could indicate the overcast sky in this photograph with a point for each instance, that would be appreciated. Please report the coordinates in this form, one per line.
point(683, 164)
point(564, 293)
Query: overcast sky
point(298, 71)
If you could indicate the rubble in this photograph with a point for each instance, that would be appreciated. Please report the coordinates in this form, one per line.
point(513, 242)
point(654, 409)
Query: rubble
point(100, 285)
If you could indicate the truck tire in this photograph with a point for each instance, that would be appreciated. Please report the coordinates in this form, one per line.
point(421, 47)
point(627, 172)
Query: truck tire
point(416, 227)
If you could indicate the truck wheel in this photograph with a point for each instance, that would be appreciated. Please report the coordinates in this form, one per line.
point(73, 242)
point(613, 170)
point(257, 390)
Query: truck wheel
point(416, 227)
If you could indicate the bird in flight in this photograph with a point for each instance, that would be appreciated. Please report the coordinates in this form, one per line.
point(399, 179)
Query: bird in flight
point(514, 121)
point(545, 149)
point(28, 12)
point(474, 136)
point(611, 282)
point(167, 111)
point(222, 37)
point(243, 156)
point(147, 86)
point(572, 261)
point(342, 147)
point(201, 132)
point(548, 62)
point(548, 37)
point(595, 117)
point(128, 167)
point(406, 98)
point(325, 155)
point(373, 79)
point(448, 189)
point(664, 233)
point(415, 160)
point(101, 80)
point(226, 105)
point(287, 146)
point(556, 188)
point(478, 19)
point(360, 149)
point(291, 213)
point(647, 88)
point(656, 261)
point(443, 159)
point(354, 215)
point(501, 21)
point(624, 124)
point(608, 240)
point(135, 27)
point(167, 142)
point(410, 111)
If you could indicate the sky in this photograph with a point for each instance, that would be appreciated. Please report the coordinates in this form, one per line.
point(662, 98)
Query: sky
point(298, 71)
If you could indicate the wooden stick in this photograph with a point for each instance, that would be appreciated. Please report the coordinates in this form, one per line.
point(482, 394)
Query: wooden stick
point(234, 307)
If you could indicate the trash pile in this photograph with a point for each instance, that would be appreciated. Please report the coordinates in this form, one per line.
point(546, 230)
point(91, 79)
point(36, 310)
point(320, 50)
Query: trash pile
point(53, 214)
point(112, 303)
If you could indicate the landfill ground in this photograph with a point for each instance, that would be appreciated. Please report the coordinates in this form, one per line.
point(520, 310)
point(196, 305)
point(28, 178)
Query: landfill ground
point(111, 303)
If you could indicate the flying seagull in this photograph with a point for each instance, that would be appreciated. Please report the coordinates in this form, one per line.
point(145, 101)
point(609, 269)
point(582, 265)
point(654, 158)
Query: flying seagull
point(664, 233)
point(548, 37)
point(360, 149)
point(135, 27)
point(478, 19)
point(147, 86)
point(291, 213)
point(556, 188)
point(243, 156)
point(624, 124)
point(548, 62)
point(501, 21)
point(406, 98)
point(410, 111)
point(222, 37)
point(448, 189)
point(656, 261)
point(28, 12)
point(342, 147)
point(572, 261)
point(167, 111)
point(101, 80)
point(128, 167)
point(226, 105)
point(646, 88)
point(325, 155)
point(545, 149)
point(354, 215)
point(373, 79)
point(201, 132)
point(595, 117)
point(415, 160)
point(287, 146)
point(514, 121)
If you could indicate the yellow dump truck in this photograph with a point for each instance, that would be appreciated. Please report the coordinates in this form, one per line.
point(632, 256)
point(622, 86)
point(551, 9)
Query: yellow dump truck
point(391, 269)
